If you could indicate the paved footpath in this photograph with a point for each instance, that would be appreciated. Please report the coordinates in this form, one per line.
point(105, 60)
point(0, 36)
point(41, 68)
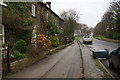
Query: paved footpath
point(90, 69)
point(43, 66)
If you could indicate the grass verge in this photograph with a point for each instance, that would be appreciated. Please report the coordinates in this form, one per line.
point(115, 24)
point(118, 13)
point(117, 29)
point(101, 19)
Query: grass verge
point(106, 39)
point(98, 64)
point(77, 38)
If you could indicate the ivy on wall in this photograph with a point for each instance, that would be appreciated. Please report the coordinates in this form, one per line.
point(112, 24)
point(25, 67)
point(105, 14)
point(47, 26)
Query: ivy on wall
point(18, 22)
point(52, 26)
point(22, 9)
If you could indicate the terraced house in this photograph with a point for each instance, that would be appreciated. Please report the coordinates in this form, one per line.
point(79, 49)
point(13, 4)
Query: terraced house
point(44, 16)
point(19, 20)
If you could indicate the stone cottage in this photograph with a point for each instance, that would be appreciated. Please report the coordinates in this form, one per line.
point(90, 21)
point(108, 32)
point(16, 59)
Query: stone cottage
point(40, 12)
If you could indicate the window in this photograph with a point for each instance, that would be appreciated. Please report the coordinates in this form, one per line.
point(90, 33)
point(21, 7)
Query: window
point(33, 10)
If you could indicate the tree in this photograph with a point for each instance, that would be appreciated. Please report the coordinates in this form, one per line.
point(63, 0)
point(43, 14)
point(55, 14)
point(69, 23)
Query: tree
point(70, 17)
point(110, 23)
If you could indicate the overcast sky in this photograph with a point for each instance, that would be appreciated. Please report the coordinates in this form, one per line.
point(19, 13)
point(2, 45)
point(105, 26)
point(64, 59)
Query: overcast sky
point(90, 11)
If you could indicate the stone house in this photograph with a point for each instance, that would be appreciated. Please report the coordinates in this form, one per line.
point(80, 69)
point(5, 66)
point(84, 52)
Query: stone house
point(40, 12)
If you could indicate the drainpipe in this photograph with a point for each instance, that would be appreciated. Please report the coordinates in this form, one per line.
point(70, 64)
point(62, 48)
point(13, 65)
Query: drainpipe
point(3, 34)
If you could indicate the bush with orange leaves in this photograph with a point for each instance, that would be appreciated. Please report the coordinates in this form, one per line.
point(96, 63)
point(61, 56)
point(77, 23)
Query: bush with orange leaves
point(43, 43)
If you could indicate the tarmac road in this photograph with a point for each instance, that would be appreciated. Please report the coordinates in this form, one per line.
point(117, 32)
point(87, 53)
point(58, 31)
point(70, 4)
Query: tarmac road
point(100, 44)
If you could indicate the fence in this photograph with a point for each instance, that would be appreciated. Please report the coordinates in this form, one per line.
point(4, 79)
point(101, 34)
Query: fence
point(4, 53)
point(6, 59)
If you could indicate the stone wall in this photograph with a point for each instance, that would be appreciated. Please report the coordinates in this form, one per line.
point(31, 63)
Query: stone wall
point(20, 64)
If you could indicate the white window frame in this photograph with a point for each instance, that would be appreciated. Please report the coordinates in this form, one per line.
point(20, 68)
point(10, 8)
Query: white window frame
point(33, 10)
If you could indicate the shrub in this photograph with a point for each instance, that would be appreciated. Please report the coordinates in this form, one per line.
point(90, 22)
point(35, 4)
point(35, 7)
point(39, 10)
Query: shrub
point(25, 35)
point(18, 55)
point(42, 42)
point(115, 36)
point(33, 51)
point(71, 38)
point(55, 41)
point(21, 46)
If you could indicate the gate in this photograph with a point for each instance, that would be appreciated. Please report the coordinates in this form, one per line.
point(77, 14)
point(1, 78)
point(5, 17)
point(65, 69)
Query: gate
point(4, 53)
point(6, 59)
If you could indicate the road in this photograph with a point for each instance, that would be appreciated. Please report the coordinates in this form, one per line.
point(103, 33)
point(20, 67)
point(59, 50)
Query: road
point(98, 45)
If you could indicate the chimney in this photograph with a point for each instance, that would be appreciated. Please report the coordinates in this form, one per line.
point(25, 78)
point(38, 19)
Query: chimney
point(49, 4)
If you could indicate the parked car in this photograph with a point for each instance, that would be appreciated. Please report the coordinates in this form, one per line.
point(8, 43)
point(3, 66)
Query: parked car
point(114, 59)
point(87, 39)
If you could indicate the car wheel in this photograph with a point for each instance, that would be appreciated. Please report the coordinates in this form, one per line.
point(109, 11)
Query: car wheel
point(84, 42)
point(91, 42)
point(94, 57)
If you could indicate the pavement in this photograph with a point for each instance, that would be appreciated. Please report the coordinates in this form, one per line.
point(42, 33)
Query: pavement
point(66, 63)
point(42, 67)
point(69, 66)
point(90, 69)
